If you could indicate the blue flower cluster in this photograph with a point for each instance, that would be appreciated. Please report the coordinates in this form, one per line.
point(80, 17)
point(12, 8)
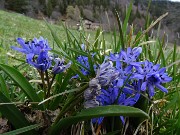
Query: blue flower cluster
point(37, 55)
point(121, 78)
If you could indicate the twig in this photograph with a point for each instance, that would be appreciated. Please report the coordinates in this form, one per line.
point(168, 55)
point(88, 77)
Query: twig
point(150, 27)
point(17, 103)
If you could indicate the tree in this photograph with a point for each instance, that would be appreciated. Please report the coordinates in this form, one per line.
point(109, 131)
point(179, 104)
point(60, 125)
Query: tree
point(17, 5)
point(49, 8)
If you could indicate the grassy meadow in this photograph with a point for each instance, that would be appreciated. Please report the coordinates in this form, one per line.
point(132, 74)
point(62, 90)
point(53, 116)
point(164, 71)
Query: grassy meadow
point(14, 25)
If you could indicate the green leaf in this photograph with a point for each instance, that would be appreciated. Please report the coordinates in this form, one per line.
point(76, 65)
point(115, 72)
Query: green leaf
point(55, 37)
point(68, 32)
point(22, 130)
point(11, 112)
point(111, 110)
point(125, 24)
point(62, 86)
point(121, 36)
point(79, 52)
point(115, 41)
point(3, 87)
point(98, 33)
point(174, 59)
point(21, 81)
point(163, 60)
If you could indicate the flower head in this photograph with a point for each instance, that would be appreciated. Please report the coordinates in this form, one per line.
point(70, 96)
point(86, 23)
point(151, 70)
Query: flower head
point(42, 62)
point(152, 76)
point(36, 52)
point(32, 47)
point(131, 55)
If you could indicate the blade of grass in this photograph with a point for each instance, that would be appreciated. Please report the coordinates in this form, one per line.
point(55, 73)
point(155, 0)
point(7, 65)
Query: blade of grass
point(174, 59)
point(22, 130)
point(121, 40)
point(163, 60)
point(125, 24)
point(56, 39)
point(98, 33)
point(21, 81)
point(4, 87)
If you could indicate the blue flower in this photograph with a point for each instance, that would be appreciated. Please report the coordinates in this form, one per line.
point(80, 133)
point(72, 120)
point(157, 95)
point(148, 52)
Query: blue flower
point(152, 77)
point(36, 52)
point(128, 96)
point(42, 62)
point(122, 84)
point(32, 47)
point(60, 66)
point(106, 74)
point(105, 89)
point(115, 56)
point(40, 45)
point(125, 61)
point(84, 62)
point(85, 68)
point(131, 55)
point(26, 47)
point(110, 96)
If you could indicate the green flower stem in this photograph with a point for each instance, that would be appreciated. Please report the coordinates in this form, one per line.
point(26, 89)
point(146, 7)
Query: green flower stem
point(112, 124)
point(47, 77)
point(50, 85)
point(43, 82)
point(70, 103)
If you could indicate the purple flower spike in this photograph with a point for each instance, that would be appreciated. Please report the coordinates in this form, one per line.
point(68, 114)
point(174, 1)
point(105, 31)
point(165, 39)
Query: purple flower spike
point(91, 93)
point(106, 73)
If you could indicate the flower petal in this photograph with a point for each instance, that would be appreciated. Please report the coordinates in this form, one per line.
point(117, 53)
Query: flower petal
point(151, 90)
point(143, 86)
point(161, 88)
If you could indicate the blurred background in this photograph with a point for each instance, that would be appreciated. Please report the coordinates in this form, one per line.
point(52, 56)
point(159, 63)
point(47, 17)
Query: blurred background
point(100, 13)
